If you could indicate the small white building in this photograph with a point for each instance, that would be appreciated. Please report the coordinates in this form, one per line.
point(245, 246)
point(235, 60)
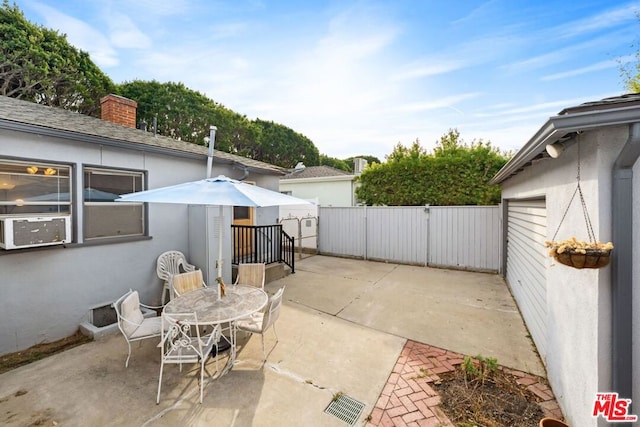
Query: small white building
point(328, 185)
point(66, 246)
point(585, 322)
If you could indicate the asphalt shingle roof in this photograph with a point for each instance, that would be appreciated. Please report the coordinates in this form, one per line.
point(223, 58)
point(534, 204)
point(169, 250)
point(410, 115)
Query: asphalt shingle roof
point(35, 118)
point(315, 172)
point(599, 114)
point(626, 100)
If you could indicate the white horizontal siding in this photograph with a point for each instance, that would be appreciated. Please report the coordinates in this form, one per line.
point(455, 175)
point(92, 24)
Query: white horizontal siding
point(526, 265)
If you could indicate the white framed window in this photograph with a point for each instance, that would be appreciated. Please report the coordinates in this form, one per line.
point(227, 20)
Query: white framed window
point(34, 188)
point(104, 218)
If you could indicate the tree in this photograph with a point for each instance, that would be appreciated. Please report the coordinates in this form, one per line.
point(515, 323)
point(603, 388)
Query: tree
point(39, 65)
point(462, 172)
point(186, 114)
point(370, 160)
point(630, 71)
point(631, 75)
point(454, 174)
point(282, 146)
point(334, 163)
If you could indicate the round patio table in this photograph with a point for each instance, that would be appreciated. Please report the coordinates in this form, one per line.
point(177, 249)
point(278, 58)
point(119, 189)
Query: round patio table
point(240, 301)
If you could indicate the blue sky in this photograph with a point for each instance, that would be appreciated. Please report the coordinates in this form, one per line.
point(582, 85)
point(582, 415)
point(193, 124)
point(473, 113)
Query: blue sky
point(357, 77)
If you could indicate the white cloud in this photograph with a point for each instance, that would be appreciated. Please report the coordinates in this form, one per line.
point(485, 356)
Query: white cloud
point(475, 13)
point(432, 68)
point(123, 33)
point(227, 30)
point(441, 102)
point(602, 65)
point(548, 108)
point(604, 20)
point(80, 34)
point(566, 54)
point(148, 8)
point(357, 77)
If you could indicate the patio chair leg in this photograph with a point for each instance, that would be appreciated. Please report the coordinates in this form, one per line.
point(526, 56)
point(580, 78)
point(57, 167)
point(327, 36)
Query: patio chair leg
point(201, 378)
point(126, 363)
point(159, 384)
point(264, 354)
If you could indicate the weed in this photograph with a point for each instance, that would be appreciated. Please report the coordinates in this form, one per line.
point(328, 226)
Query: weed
point(40, 351)
point(423, 373)
point(337, 396)
point(479, 368)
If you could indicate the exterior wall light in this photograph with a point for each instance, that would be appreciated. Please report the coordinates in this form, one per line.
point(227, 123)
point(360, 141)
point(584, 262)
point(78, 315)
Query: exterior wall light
point(555, 149)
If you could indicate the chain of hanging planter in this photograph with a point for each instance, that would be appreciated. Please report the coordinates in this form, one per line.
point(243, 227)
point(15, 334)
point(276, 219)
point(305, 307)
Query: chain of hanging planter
point(577, 253)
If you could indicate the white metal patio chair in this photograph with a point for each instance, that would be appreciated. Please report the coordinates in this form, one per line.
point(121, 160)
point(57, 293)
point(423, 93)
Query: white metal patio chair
point(168, 264)
point(251, 274)
point(259, 323)
point(185, 282)
point(182, 343)
point(132, 323)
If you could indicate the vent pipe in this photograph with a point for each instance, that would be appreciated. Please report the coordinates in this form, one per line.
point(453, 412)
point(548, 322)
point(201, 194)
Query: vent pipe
point(212, 139)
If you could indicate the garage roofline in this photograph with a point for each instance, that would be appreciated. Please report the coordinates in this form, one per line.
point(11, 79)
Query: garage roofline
point(558, 127)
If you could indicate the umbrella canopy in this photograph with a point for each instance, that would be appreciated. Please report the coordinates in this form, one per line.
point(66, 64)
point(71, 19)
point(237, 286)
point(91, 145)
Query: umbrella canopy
point(218, 191)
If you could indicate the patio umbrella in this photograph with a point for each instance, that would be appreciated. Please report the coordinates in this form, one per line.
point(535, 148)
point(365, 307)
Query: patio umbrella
point(219, 191)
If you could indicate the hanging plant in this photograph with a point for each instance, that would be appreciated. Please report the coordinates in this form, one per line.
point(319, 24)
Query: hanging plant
point(578, 253)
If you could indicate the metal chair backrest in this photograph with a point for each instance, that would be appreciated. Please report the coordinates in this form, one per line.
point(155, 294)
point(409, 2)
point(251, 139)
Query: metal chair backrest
point(273, 309)
point(185, 282)
point(251, 274)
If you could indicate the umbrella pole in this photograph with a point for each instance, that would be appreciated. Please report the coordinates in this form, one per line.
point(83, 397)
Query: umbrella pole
point(220, 229)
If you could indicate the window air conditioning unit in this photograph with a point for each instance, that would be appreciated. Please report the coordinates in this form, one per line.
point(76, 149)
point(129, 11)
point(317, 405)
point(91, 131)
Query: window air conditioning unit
point(29, 232)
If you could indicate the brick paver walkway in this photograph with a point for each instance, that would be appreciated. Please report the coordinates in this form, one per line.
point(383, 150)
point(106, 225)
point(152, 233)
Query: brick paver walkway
point(409, 400)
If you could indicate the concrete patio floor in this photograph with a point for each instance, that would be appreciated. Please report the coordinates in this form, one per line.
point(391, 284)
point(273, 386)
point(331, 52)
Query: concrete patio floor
point(342, 328)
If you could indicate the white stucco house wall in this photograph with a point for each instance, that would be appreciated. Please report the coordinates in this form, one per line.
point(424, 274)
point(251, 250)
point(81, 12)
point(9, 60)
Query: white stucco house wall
point(330, 186)
point(585, 322)
point(57, 163)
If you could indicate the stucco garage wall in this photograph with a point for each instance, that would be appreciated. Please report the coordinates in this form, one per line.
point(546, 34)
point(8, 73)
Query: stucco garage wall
point(579, 336)
point(47, 292)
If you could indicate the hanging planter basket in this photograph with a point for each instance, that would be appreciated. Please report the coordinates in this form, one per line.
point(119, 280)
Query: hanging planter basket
point(576, 253)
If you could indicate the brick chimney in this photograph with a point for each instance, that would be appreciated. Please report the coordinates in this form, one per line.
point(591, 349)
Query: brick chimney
point(118, 109)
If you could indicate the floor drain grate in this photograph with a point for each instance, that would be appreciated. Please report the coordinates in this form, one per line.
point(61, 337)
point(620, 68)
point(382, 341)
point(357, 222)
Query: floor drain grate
point(345, 409)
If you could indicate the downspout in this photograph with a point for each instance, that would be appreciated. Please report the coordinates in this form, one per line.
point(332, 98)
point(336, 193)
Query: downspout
point(622, 262)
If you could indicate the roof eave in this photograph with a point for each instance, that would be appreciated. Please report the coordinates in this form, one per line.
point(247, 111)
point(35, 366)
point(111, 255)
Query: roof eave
point(318, 179)
point(559, 126)
point(112, 142)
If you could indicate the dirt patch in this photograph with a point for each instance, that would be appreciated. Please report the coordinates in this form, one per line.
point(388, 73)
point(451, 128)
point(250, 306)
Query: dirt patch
point(495, 401)
point(13, 360)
